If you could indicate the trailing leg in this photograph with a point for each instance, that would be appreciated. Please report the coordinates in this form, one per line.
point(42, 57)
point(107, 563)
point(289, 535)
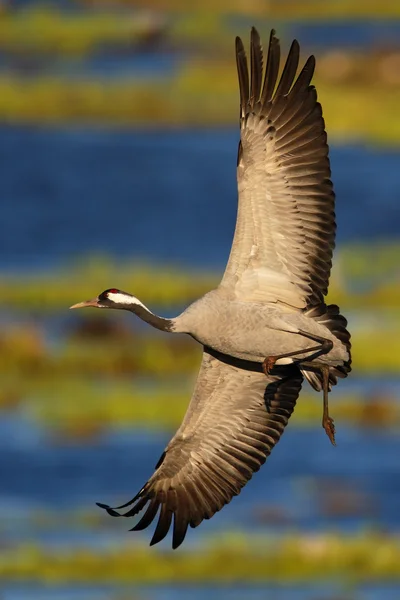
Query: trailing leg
point(324, 346)
point(327, 421)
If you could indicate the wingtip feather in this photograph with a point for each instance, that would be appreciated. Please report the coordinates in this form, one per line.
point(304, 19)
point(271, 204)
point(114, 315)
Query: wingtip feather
point(108, 509)
point(238, 43)
point(271, 69)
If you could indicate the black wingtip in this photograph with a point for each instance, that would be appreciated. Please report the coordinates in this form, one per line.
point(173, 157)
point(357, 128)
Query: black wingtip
point(239, 44)
point(179, 532)
point(254, 31)
point(153, 542)
point(254, 34)
point(309, 68)
point(108, 509)
point(294, 49)
point(272, 36)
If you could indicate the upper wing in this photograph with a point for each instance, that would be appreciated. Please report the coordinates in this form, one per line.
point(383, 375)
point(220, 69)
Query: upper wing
point(234, 420)
point(285, 229)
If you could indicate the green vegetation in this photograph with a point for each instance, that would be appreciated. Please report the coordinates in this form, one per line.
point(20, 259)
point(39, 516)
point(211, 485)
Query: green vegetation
point(376, 347)
point(297, 558)
point(50, 291)
point(352, 86)
point(84, 409)
point(80, 389)
point(335, 9)
point(76, 388)
point(50, 100)
point(364, 277)
point(46, 30)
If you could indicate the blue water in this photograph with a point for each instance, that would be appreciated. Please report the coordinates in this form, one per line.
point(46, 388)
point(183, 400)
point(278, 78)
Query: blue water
point(69, 476)
point(238, 592)
point(170, 196)
point(40, 474)
point(161, 195)
point(349, 34)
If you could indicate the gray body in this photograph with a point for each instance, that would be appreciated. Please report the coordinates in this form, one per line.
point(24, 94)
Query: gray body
point(252, 331)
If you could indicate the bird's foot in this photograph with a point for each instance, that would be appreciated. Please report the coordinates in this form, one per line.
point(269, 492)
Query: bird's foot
point(329, 426)
point(268, 364)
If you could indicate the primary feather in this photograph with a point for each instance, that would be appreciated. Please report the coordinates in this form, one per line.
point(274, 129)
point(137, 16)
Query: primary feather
point(285, 230)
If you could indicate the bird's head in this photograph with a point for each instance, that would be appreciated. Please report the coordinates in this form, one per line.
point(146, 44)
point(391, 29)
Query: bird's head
point(111, 298)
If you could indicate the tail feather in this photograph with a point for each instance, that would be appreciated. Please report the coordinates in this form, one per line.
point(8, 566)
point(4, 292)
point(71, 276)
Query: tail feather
point(329, 315)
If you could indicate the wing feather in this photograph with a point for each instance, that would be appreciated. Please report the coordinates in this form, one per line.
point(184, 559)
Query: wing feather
point(289, 70)
point(234, 420)
point(272, 67)
point(241, 64)
point(256, 59)
point(285, 228)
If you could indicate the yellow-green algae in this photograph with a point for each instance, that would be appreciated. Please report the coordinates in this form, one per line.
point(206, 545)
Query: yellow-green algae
point(376, 348)
point(93, 375)
point(40, 98)
point(58, 289)
point(54, 100)
point(235, 557)
point(45, 29)
point(363, 277)
point(83, 386)
point(82, 408)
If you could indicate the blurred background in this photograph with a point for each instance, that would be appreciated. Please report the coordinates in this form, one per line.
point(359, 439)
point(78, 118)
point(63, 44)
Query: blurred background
point(118, 141)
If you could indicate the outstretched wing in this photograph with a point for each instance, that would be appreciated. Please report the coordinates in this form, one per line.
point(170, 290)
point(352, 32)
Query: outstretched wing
point(235, 418)
point(285, 229)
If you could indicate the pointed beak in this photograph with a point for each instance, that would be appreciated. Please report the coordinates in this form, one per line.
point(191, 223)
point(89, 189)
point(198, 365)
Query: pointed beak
point(86, 303)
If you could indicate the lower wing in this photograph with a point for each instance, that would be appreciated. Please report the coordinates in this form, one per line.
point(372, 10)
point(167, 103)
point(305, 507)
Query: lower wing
point(235, 418)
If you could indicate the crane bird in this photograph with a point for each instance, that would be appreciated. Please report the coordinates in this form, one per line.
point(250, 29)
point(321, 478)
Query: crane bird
point(266, 325)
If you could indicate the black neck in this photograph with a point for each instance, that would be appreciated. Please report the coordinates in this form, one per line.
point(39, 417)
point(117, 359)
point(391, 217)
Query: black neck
point(152, 319)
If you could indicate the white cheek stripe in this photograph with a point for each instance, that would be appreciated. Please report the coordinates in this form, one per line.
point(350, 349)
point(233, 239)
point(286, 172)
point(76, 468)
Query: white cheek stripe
point(123, 299)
